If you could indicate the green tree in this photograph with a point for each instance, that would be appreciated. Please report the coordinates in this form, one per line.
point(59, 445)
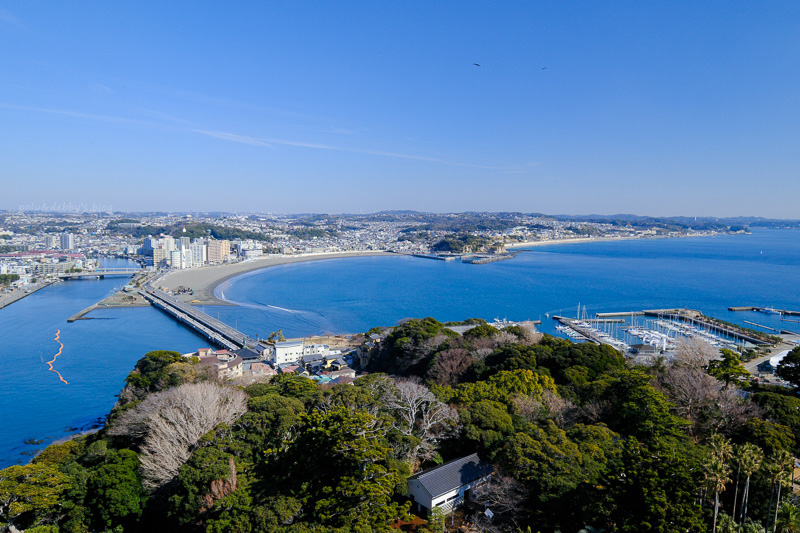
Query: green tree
point(751, 458)
point(115, 494)
point(31, 493)
point(778, 469)
point(436, 520)
point(487, 424)
point(544, 459)
point(789, 367)
point(788, 519)
point(716, 472)
point(481, 331)
point(729, 368)
point(338, 465)
point(637, 408)
point(150, 373)
point(643, 500)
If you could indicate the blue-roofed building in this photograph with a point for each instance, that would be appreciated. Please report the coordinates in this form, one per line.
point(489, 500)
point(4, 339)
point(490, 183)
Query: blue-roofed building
point(447, 486)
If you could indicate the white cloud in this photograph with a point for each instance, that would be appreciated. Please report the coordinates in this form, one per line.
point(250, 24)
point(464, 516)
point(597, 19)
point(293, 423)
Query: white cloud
point(244, 139)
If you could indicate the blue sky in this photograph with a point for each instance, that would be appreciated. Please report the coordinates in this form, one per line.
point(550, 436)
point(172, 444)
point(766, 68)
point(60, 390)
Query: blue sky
point(656, 108)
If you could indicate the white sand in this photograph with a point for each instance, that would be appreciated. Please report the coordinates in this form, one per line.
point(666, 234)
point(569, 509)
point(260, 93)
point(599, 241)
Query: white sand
point(204, 280)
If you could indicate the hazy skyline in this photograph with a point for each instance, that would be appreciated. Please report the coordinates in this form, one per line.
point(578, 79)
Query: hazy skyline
point(650, 108)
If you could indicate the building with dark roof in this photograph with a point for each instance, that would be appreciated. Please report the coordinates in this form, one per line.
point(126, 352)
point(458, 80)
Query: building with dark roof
point(448, 485)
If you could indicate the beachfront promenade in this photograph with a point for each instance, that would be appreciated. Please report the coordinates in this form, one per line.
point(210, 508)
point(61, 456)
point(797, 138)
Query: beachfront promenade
point(213, 329)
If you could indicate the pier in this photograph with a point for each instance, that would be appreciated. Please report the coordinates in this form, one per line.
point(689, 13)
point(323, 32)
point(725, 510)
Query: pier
point(760, 325)
point(785, 312)
point(695, 317)
point(438, 257)
point(211, 328)
point(590, 335)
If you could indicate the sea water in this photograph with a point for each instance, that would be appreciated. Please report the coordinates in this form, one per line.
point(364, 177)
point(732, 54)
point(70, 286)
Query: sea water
point(35, 405)
point(352, 295)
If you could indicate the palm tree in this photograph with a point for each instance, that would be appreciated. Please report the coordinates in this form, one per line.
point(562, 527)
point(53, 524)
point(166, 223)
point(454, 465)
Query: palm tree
point(779, 466)
point(789, 519)
point(751, 458)
point(717, 472)
point(737, 457)
point(720, 447)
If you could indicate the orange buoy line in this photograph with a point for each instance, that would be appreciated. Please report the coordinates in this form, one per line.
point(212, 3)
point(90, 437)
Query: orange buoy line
point(50, 363)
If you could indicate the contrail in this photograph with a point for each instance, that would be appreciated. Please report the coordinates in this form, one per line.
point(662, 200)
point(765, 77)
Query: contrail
point(50, 363)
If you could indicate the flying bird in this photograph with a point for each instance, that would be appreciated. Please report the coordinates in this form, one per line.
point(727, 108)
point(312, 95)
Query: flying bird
point(544, 68)
point(477, 65)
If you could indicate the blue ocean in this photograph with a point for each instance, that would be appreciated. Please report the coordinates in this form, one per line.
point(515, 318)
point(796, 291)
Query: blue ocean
point(350, 295)
point(355, 294)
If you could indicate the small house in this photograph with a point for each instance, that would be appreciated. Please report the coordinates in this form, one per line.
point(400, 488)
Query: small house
point(447, 486)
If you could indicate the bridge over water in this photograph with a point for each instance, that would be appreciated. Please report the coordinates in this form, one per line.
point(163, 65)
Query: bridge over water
point(100, 273)
point(208, 326)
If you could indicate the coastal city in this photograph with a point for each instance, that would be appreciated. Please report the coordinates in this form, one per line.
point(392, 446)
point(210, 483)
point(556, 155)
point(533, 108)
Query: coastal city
point(179, 259)
point(38, 247)
point(385, 267)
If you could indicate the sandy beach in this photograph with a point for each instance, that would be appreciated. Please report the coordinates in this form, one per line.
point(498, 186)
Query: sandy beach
point(204, 280)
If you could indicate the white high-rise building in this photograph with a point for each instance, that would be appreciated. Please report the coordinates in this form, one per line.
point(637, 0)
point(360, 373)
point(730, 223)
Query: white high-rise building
point(199, 253)
point(176, 259)
point(50, 242)
point(169, 243)
point(67, 241)
point(184, 242)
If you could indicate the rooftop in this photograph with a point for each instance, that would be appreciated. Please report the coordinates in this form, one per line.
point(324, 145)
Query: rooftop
point(453, 474)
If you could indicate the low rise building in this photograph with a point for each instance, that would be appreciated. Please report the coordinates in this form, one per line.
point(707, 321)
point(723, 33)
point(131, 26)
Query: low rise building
point(449, 485)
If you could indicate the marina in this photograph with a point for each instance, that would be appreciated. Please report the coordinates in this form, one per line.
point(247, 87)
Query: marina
point(654, 330)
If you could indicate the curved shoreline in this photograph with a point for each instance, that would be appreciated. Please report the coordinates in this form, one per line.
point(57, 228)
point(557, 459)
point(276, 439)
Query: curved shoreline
point(203, 281)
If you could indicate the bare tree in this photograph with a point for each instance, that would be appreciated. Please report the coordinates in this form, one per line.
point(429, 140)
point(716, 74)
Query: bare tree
point(694, 352)
point(530, 335)
point(171, 424)
point(504, 337)
point(419, 413)
point(595, 409)
point(528, 408)
point(707, 402)
point(505, 496)
point(562, 411)
point(450, 366)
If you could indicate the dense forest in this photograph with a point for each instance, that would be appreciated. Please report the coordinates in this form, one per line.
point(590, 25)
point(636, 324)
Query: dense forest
point(579, 439)
point(193, 230)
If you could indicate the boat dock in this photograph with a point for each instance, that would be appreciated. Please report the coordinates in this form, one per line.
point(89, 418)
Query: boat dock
point(590, 334)
point(211, 328)
point(695, 317)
